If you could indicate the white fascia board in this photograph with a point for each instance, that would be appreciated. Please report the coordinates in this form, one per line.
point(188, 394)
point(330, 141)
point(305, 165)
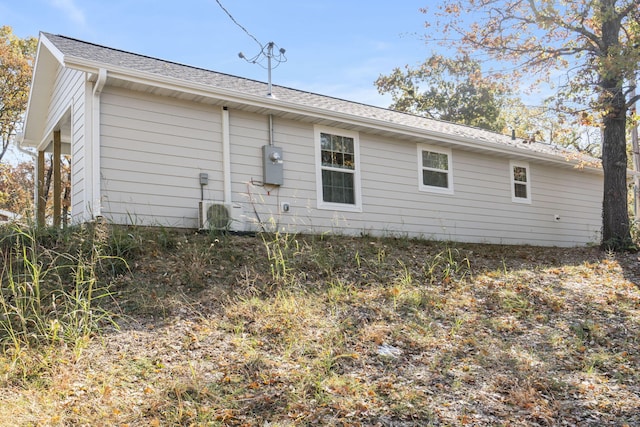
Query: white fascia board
point(47, 57)
point(274, 103)
point(57, 54)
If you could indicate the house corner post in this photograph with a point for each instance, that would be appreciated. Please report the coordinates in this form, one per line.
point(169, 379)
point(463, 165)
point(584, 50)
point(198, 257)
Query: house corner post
point(41, 197)
point(57, 179)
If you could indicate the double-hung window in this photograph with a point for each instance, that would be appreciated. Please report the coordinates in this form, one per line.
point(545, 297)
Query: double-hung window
point(435, 169)
point(337, 169)
point(520, 182)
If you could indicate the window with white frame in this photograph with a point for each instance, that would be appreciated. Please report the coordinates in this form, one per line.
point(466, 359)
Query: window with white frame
point(435, 169)
point(337, 169)
point(520, 182)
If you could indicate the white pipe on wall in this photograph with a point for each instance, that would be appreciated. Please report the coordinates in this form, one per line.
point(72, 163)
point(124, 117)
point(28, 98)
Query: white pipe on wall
point(271, 130)
point(226, 156)
point(95, 143)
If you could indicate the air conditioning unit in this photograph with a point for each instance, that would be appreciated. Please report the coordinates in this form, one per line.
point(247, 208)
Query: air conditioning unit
point(220, 216)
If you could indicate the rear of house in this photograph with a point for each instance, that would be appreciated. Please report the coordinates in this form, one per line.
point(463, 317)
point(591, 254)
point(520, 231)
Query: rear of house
point(158, 143)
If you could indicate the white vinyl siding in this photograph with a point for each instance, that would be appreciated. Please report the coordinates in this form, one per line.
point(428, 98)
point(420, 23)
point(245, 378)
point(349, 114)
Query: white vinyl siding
point(80, 207)
point(67, 86)
point(337, 169)
point(248, 133)
point(480, 211)
point(435, 173)
point(153, 150)
point(68, 98)
point(520, 182)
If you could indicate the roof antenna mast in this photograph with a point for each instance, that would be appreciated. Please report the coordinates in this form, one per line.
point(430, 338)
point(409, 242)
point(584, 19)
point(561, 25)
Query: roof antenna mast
point(267, 52)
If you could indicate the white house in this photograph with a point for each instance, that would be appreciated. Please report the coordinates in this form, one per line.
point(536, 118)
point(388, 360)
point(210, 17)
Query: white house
point(8, 216)
point(152, 141)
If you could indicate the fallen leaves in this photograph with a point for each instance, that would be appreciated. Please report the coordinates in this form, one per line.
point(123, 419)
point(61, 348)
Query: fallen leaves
point(367, 338)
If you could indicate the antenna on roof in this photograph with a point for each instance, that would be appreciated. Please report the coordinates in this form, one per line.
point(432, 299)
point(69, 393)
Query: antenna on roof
point(267, 52)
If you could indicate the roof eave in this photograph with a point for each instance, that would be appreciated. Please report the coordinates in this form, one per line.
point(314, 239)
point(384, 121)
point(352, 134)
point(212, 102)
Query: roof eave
point(47, 59)
point(276, 104)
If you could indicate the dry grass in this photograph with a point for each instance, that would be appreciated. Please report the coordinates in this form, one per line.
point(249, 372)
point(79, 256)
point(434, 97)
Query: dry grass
point(293, 330)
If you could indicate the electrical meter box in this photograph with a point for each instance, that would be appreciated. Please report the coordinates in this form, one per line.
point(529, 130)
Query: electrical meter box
point(272, 165)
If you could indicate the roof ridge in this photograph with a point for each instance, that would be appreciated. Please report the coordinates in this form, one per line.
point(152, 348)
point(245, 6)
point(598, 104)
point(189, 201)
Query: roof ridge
point(147, 56)
point(148, 64)
point(409, 114)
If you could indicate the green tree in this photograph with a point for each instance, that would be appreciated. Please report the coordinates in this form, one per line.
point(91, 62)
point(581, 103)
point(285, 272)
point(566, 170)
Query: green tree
point(596, 43)
point(16, 62)
point(447, 89)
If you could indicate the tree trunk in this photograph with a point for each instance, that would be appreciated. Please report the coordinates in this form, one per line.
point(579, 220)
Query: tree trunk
point(615, 215)
point(616, 233)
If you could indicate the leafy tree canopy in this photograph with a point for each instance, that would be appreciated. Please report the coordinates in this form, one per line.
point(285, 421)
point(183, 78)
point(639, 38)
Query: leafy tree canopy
point(16, 62)
point(16, 187)
point(589, 41)
point(451, 89)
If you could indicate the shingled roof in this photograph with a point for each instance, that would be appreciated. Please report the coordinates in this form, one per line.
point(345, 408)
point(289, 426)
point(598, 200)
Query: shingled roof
point(81, 50)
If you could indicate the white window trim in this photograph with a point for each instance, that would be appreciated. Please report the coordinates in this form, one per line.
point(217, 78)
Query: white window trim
point(357, 206)
point(430, 188)
point(512, 180)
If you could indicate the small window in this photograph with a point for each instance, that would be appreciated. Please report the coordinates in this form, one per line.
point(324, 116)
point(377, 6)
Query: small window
point(434, 169)
point(520, 182)
point(338, 173)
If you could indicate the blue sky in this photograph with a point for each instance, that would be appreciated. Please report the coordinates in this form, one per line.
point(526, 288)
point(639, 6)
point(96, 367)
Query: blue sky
point(333, 47)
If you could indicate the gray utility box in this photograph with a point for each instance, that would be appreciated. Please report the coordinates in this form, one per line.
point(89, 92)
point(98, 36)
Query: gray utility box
point(272, 165)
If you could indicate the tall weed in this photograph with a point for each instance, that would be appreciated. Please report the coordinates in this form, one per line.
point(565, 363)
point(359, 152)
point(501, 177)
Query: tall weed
point(50, 297)
point(446, 266)
point(281, 250)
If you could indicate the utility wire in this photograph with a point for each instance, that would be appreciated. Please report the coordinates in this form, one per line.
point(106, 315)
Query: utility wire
point(266, 51)
point(238, 24)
